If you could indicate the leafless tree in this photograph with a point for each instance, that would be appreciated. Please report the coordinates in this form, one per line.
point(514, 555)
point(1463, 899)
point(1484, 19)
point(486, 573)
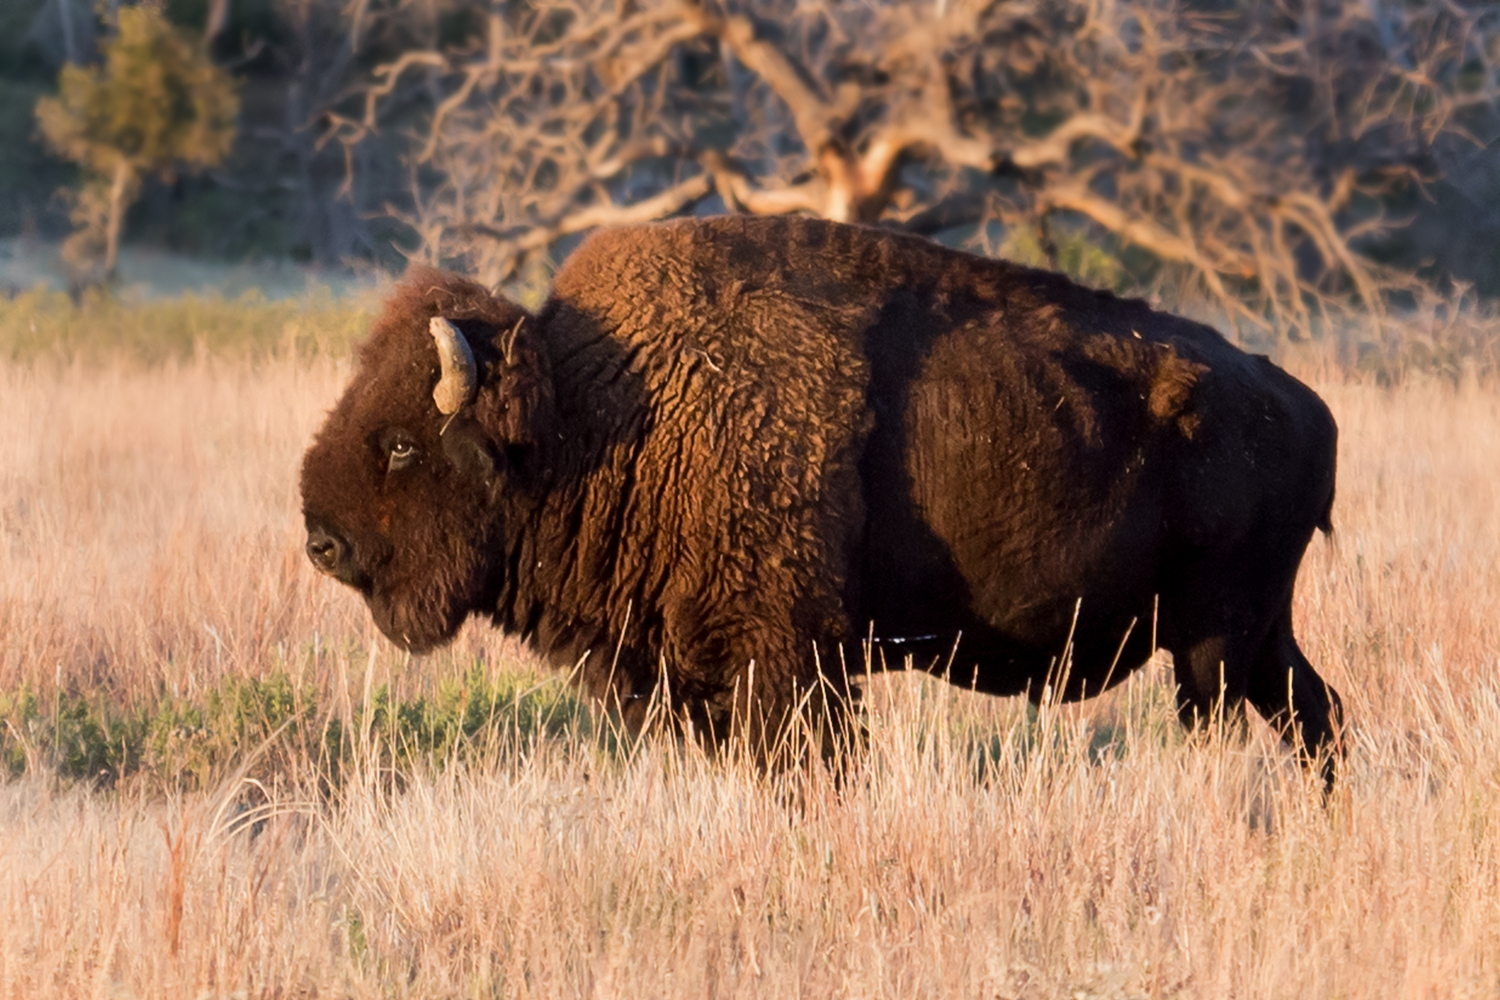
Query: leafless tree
point(318, 59)
point(1240, 149)
point(65, 17)
point(215, 22)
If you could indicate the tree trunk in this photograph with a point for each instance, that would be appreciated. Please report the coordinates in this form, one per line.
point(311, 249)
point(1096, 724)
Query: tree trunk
point(117, 204)
point(858, 188)
point(218, 20)
point(65, 14)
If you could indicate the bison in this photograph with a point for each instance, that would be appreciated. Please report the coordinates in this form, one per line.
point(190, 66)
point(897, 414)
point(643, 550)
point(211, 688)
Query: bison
point(727, 454)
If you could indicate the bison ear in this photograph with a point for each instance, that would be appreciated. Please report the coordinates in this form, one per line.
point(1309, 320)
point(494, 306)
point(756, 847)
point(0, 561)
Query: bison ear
point(516, 401)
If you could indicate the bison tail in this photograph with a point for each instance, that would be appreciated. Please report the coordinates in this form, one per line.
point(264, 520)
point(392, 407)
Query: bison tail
point(1325, 520)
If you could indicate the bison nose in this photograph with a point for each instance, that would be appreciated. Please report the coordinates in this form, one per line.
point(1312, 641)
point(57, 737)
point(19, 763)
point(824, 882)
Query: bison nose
point(327, 551)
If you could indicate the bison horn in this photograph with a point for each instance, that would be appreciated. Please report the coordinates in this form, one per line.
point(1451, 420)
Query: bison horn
point(460, 376)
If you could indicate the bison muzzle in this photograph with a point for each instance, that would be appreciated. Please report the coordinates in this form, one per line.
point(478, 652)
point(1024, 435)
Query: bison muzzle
point(726, 454)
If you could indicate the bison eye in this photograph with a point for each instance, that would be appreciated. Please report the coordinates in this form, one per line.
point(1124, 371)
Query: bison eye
point(400, 449)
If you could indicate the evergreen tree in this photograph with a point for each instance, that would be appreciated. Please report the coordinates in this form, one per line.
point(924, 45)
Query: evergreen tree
point(157, 105)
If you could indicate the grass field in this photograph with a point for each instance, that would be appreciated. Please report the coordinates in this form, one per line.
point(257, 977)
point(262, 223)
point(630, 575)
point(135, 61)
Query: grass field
point(200, 804)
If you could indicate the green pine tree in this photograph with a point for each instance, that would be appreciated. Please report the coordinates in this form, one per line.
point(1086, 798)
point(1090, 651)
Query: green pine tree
point(157, 105)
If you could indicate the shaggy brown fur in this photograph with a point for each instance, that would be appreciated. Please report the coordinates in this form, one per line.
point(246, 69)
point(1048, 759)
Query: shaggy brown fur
point(725, 452)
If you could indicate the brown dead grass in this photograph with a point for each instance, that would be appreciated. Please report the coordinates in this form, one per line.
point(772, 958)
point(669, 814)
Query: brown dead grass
point(149, 541)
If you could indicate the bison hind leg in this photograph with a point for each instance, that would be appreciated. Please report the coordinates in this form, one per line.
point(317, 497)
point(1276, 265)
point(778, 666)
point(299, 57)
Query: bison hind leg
point(1215, 678)
point(1211, 682)
point(1289, 694)
point(1228, 623)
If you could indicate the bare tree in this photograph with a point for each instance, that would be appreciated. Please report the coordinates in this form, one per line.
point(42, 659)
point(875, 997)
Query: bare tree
point(215, 23)
point(319, 57)
point(1242, 149)
point(65, 16)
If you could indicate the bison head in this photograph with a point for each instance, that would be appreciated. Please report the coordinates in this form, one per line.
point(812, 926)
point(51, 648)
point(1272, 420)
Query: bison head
point(405, 488)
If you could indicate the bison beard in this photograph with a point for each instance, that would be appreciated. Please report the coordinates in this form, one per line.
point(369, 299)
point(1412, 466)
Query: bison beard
point(725, 452)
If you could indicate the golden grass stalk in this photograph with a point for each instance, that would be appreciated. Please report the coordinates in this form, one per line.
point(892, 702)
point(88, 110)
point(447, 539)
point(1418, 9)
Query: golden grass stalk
point(150, 542)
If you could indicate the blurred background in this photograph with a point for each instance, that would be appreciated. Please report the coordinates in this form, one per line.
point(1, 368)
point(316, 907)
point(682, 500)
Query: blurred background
point(1319, 170)
point(199, 202)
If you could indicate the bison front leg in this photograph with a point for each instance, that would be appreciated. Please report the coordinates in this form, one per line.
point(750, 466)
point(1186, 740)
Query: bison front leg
point(752, 679)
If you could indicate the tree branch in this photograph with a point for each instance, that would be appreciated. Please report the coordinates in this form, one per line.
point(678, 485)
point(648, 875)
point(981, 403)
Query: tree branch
point(813, 115)
point(1142, 232)
point(524, 240)
point(741, 195)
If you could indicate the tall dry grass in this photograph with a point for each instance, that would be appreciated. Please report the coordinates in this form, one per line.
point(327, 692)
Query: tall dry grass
point(149, 543)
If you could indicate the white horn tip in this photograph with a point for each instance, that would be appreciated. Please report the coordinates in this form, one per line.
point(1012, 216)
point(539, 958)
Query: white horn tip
point(456, 386)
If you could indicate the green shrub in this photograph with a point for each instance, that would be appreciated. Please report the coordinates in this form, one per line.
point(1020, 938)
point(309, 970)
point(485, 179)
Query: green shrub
point(1079, 257)
point(278, 729)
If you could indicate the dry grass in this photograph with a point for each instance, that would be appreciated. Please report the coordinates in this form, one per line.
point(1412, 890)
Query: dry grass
point(149, 543)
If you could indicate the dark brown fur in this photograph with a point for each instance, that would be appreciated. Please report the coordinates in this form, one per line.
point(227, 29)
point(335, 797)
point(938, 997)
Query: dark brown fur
point(725, 452)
